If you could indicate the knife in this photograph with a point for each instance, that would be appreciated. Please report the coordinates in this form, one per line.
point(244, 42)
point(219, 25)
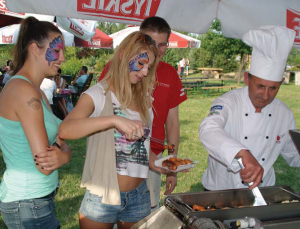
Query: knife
point(258, 198)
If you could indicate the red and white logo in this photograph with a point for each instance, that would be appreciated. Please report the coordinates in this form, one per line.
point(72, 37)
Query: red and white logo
point(126, 10)
point(173, 44)
point(76, 29)
point(4, 10)
point(7, 39)
point(95, 43)
point(293, 22)
point(278, 139)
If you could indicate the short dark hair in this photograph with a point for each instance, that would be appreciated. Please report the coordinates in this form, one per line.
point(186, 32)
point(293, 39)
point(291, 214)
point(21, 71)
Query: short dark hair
point(84, 68)
point(249, 76)
point(156, 24)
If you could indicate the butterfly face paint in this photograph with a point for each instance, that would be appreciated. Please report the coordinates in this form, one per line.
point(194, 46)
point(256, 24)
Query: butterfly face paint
point(52, 52)
point(138, 63)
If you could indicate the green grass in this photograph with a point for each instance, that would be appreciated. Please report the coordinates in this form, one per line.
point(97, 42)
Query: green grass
point(191, 113)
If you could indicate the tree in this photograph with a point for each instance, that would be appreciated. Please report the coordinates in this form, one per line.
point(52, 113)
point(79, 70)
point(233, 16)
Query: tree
point(294, 58)
point(226, 48)
point(6, 52)
point(110, 27)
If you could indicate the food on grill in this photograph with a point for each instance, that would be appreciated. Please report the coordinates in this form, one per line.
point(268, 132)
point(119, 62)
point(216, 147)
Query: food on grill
point(287, 201)
point(173, 163)
point(198, 208)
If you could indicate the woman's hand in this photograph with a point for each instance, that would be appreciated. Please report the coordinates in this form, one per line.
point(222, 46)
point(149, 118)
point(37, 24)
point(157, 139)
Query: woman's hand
point(132, 130)
point(54, 157)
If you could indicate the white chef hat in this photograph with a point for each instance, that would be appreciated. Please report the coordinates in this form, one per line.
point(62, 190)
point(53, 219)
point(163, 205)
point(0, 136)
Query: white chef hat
point(271, 47)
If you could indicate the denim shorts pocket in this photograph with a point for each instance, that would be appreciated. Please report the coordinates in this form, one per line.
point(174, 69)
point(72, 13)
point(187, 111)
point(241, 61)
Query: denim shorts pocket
point(92, 198)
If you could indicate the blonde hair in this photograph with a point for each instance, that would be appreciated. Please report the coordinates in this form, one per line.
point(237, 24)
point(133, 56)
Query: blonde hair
point(118, 74)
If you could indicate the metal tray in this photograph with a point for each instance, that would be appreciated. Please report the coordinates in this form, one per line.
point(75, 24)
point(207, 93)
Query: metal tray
point(182, 204)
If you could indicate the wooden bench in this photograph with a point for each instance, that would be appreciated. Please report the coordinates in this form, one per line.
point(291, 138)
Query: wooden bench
point(187, 89)
point(206, 89)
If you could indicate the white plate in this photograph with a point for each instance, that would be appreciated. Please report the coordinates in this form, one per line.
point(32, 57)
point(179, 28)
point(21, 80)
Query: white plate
point(158, 163)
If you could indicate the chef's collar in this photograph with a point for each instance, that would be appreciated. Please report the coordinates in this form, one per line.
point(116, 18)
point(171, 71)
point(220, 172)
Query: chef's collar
point(249, 107)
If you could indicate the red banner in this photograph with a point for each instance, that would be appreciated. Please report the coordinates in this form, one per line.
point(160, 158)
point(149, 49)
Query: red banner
point(127, 10)
point(293, 22)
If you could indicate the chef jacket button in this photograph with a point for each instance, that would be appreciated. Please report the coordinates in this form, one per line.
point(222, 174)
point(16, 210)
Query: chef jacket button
point(246, 114)
point(267, 137)
point(263, 159)
point(261, 181)
point(246, 137)
point(243, 182)
point(270, 115)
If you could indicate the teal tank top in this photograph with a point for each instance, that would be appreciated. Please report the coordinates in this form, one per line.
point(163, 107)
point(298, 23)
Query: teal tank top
point(21, 179)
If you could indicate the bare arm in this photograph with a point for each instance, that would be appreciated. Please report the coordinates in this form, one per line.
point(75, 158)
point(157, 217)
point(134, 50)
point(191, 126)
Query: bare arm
point(78, 123)
point(173, 135)
point(63, 84)
point(172, 128)
point(29, 110)
point(76, 78)
point(55, 156)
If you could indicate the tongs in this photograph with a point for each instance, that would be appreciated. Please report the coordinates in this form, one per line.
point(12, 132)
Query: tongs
point(169, 147)
point(258, 198)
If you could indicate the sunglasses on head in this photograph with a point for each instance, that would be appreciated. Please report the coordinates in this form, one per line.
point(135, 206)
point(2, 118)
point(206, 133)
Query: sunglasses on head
point(147, 39)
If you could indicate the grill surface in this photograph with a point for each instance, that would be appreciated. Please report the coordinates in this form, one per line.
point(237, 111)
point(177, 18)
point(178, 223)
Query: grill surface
point(181, 204)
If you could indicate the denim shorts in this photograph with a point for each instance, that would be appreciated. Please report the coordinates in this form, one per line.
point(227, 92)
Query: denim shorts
point(30, 214)
point(135, 206)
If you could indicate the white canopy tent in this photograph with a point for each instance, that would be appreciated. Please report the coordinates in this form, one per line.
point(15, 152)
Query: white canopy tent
point(9, 35)
point(83, 29)
point(176, 40)
point(236, 16)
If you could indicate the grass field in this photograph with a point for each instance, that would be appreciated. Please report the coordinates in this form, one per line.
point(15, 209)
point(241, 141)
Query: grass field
point(191, 112)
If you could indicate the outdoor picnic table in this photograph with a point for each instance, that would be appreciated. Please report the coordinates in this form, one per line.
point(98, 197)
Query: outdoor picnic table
point(197, 84)
point(199, 81)
point(212, 71)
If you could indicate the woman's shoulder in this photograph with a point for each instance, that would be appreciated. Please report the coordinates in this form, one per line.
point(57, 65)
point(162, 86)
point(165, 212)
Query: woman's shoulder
point(19, 84)
point(97, 89)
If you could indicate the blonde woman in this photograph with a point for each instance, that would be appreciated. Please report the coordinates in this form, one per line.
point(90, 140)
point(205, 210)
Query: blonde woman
point(116, 113)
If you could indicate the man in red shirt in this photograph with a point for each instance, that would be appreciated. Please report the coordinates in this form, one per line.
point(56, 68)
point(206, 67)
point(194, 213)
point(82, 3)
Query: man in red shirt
point(168, 94)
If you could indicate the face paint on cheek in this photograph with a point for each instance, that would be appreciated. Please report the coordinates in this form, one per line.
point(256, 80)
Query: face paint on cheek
point(51, 53)
point(134, 65)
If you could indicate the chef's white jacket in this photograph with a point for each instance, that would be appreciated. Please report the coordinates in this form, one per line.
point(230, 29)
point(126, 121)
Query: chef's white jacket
point(232, 125)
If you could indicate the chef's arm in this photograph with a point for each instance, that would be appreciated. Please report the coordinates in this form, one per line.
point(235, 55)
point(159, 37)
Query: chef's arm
point(253, 171)
point(218, 143)
point(172, 129)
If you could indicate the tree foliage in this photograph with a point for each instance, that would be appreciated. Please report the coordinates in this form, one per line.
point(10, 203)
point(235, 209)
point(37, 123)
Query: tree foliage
point(6, 52)
point(294, 59)
point(110, 27)
point(223, 51)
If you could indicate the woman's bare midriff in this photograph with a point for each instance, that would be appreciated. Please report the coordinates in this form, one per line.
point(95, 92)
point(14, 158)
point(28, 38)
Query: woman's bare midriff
point(127, 183)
